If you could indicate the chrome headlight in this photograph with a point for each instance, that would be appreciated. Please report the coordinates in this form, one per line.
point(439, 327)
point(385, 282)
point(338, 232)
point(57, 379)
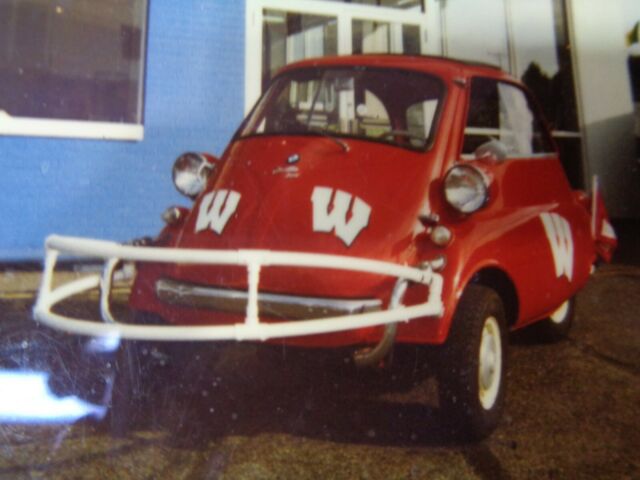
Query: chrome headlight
point(465, 188)
point(190, 173)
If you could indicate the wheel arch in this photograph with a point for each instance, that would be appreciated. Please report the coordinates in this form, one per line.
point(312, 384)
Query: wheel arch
point(497, 279)
point(489, 275)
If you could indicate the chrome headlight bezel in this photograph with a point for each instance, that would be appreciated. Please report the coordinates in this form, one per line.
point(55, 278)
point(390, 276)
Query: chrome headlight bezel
point(190, 173)
point(466, 189)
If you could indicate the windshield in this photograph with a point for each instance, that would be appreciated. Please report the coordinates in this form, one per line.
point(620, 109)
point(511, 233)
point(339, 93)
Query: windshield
point(387, 105)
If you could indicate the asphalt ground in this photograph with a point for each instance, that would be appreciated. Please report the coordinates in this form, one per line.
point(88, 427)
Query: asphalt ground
point(242, 411)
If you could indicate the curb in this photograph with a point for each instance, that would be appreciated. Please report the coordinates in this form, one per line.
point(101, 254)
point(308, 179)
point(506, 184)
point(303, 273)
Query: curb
point(24, 284)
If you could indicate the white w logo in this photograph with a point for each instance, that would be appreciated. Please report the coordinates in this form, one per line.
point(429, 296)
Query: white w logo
point(215, 209)
point(325, 220)
point(559, 235)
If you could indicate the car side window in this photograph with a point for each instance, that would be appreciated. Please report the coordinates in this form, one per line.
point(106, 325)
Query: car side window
point(419, 119)
point(502, 111)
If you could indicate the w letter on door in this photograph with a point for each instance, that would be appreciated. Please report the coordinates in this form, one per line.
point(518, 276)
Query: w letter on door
point(561, 242)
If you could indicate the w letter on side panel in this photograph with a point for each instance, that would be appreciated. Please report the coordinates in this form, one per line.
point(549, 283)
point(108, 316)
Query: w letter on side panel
point(326, 219)
point(215, 209)
point(561, 242)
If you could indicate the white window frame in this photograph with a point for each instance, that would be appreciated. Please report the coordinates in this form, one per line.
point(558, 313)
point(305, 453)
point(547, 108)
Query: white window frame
point(83, 129)
point(344, 13)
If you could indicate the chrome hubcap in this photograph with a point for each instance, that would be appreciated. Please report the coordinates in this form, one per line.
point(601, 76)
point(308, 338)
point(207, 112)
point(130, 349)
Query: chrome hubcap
point(489, 363)
point(560, 314)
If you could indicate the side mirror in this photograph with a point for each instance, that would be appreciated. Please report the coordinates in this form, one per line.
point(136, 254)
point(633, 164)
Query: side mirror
point(493, 151)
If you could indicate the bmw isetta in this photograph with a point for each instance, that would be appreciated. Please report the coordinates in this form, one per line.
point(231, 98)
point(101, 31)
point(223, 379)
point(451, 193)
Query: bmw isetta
point(366, 201)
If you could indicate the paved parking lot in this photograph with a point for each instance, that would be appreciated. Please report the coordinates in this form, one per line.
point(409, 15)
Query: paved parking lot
point(241, 411)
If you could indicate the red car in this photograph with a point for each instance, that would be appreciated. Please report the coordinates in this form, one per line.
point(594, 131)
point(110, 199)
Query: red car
point(366, 201)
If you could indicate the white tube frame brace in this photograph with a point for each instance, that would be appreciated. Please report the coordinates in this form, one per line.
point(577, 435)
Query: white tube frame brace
point(251, 329)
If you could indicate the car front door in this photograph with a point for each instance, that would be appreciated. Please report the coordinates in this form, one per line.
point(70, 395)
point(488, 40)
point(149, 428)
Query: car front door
point(537, 227)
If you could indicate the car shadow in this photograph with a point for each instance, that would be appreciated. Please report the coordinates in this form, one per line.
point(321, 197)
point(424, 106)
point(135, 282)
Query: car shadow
point(208, 393)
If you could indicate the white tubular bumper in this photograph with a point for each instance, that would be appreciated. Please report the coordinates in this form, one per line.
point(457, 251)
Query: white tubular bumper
point(254, 260)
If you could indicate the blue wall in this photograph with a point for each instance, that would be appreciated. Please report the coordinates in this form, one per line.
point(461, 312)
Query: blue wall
point(117, 190)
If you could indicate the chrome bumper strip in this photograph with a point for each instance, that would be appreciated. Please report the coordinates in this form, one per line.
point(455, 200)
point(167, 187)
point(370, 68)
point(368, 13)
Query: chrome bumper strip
point(269, 304)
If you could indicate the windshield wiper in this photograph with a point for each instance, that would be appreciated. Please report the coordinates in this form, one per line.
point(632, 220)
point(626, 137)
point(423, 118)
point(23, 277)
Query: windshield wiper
point(325, 133)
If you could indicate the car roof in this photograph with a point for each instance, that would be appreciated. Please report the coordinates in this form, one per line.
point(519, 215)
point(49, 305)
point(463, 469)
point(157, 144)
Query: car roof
point(447, 68)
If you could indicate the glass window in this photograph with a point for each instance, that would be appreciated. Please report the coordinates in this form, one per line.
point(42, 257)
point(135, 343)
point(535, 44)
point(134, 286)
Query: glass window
point(502, 111)
point(391, 106)
point(402, 4)
point(477, 31)
point(420, 117)
point(72, 60)
point(542, 60)
point(290, 36)
point(286, 32)
point(411, 40)
point(369, 36)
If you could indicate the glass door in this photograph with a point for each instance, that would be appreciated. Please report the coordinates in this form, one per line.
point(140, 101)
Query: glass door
point(477, 31)
point(370, 36)
point(280, 32)
point(541, 58)
point(292, 36)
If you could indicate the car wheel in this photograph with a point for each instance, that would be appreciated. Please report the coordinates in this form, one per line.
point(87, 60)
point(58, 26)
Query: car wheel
point(558, 325)
point(471, 373)
point(141, 370)
point(127, 391)
point(86, 373)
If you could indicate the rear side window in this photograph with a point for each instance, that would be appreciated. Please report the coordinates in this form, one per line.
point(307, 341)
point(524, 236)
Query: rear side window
point(502, 111)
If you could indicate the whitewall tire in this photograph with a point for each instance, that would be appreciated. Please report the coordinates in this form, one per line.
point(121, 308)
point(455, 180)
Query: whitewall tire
point(471, 370)
point(557, 326)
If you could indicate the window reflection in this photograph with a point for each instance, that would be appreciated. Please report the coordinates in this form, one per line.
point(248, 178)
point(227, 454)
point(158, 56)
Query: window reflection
point(289, 37)
point(74, 60)
point(501, 111)
point(542, 59)
point(477, 31)
point(403, 4)
point(371, 37)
